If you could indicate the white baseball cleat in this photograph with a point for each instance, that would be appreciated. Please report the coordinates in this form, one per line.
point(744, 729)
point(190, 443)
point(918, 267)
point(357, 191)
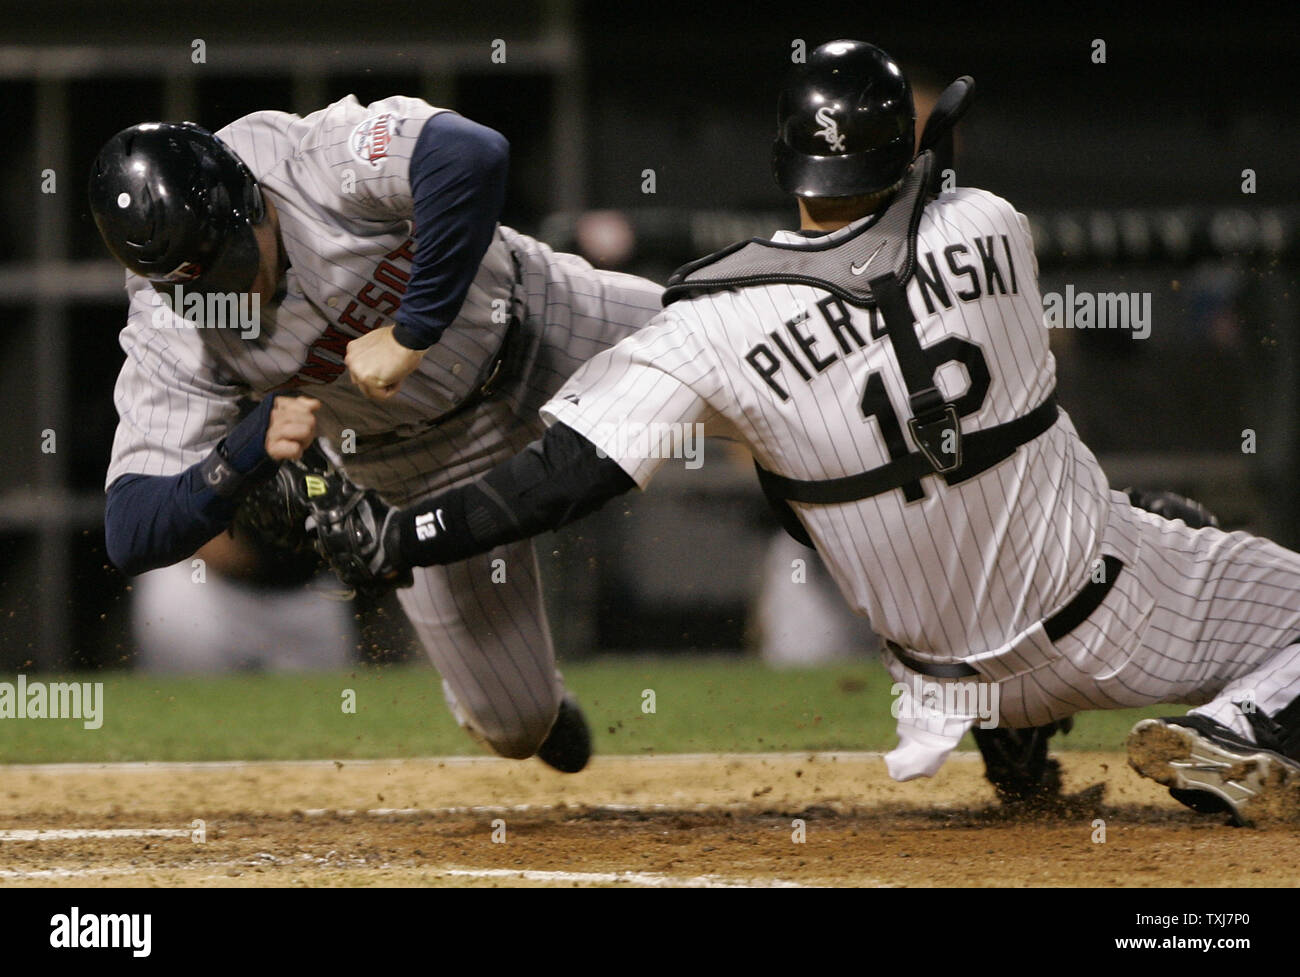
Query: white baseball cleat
point(1211, 769)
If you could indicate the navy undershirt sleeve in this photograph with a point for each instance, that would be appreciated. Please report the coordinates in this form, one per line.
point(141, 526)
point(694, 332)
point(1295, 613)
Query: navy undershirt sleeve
point(458, 182)
point(153, 521)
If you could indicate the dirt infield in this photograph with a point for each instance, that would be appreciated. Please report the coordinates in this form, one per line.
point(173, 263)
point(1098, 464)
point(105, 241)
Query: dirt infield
point(626, 821)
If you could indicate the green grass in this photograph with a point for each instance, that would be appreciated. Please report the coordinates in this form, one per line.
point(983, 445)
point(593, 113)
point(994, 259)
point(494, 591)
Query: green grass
point(700, 706)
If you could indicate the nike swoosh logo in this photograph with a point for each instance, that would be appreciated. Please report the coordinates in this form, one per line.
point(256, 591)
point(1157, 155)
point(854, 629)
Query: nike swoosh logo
point(859, 269)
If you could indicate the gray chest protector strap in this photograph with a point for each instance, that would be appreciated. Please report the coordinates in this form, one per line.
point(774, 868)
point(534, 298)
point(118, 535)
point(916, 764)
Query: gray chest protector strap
point(839, 265)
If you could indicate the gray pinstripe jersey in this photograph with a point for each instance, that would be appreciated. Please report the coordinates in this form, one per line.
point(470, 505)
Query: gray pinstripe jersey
point(813, 388)
point(340, 179)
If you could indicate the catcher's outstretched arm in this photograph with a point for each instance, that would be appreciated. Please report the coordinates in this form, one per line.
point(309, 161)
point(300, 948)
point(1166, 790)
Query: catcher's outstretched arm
point(551, 483)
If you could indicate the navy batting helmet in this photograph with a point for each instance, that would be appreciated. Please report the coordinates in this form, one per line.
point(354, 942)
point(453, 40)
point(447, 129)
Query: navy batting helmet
point(177, 206)
point(845, 123)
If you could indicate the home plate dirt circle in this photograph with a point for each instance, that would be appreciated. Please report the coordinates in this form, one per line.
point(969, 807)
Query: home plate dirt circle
point(828, 819)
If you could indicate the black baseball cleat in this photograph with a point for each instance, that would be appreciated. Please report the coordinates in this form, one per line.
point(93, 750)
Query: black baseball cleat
point(1211, 769)
point(567, 747)
point(1017, 765)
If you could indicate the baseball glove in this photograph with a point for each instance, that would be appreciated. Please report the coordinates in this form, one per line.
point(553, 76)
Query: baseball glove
point(310, 511)
point(346, 524)
point(271, 516)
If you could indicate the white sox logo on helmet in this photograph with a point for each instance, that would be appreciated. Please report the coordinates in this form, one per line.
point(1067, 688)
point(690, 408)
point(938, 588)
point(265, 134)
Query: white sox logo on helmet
point(830, 129)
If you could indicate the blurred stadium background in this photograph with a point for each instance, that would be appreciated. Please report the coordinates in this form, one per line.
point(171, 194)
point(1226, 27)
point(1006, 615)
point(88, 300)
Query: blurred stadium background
point(1131, 172)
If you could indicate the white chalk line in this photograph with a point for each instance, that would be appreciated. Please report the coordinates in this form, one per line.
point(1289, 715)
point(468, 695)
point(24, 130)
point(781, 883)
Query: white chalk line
point(701, 807)
point(644, 879)
point(809, 756)
point(107, 870)
point(650, 879)
point(630, 878)
point(75, 834)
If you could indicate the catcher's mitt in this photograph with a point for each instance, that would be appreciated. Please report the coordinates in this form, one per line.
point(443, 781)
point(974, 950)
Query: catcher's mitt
point(271, 520)
point(271, 514)
point(309, 511)
point(345, 523)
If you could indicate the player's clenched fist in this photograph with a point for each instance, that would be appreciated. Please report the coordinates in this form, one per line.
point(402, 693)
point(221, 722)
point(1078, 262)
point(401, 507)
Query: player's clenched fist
point(292, 427)
point(378, 363)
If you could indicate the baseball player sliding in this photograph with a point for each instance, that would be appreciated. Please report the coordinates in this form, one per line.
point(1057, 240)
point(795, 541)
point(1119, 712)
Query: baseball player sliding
point(888, 366)
point(347, 267)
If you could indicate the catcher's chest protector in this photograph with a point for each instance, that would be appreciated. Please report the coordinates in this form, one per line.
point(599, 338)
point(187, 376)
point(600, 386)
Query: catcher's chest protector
point(844, 262)
point(867, 266)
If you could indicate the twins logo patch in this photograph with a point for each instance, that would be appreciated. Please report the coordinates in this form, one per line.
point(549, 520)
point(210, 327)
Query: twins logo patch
point(830, 129)
point(370, 139)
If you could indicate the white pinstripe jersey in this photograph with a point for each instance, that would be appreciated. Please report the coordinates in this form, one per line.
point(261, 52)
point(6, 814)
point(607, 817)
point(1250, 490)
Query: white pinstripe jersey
point(812, 387)
point(340, 180)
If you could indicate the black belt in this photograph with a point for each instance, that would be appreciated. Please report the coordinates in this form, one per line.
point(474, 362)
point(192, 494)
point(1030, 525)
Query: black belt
point(497, 372)
point(981, 450)
point(1057, 626)
point(933, 669)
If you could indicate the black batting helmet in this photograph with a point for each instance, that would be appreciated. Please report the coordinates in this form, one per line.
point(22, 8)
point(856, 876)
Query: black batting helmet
point(845, 123)
point(176, 205)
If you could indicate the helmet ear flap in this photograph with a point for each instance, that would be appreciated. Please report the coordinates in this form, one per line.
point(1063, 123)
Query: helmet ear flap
point(256, 204)
point(233, 269)
point(249, 203)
